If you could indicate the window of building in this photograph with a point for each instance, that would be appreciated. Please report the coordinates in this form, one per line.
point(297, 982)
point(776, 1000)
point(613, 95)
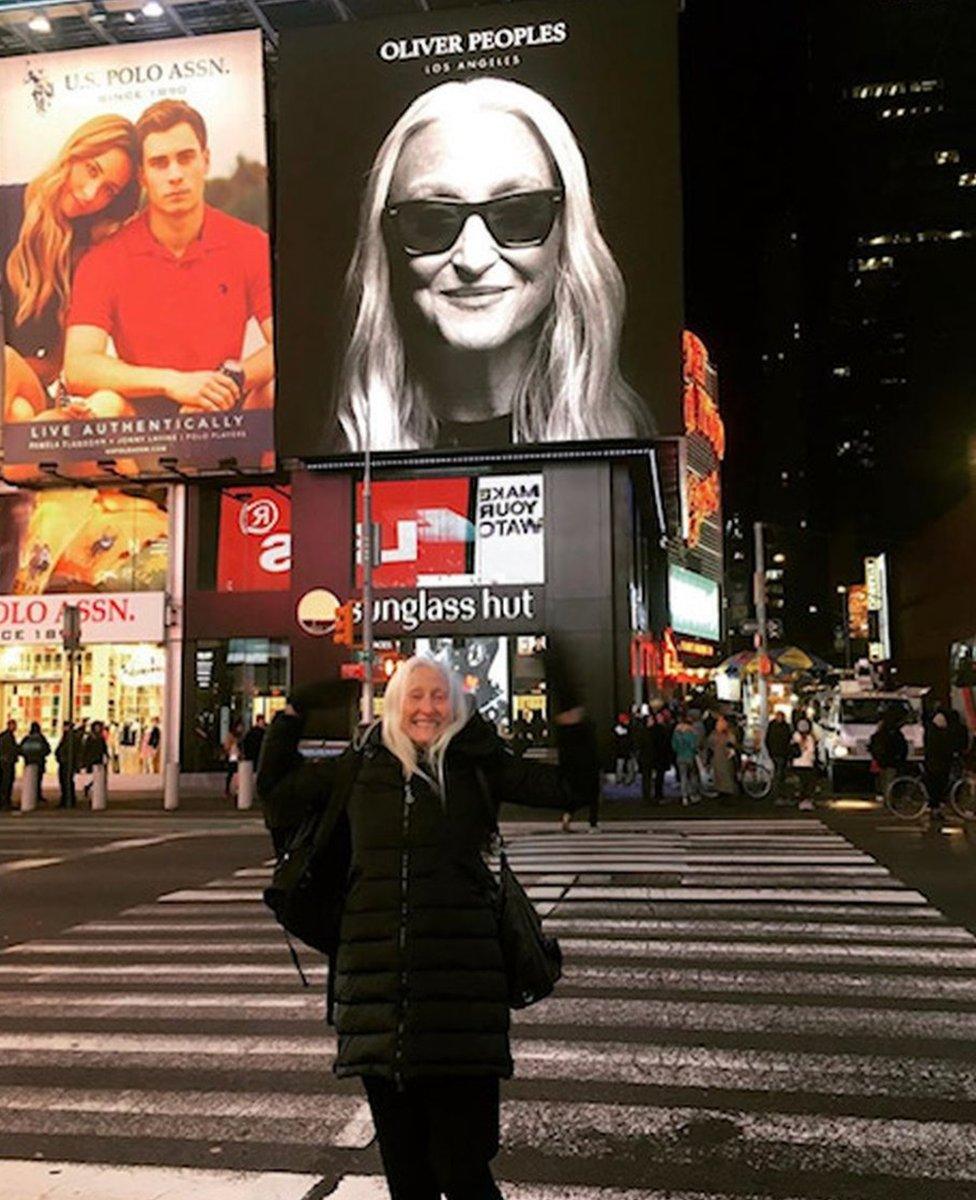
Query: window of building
point(942, 157)
point(841, 372)
point(967, 179)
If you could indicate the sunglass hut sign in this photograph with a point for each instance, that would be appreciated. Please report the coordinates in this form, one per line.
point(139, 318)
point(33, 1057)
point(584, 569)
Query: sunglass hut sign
point(475, 50)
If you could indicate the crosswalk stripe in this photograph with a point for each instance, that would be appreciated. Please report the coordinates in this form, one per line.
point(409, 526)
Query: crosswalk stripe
point(32, 1180)
point(190, 1116)
point(646, 1063)
point(586, 943)
point(753, 966)
point(267, 929)
point(892, 894)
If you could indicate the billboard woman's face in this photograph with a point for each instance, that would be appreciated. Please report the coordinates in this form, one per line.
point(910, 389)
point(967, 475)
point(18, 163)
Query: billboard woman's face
point(476, 292)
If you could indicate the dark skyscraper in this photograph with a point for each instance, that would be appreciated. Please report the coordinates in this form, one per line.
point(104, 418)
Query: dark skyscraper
point(830, 182)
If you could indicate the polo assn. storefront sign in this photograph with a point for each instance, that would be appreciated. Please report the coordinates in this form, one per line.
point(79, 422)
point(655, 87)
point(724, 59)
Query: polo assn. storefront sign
point(115, 617)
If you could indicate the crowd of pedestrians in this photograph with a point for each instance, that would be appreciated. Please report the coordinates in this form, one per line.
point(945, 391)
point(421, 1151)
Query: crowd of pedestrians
point(81, 746)
point(704, 749)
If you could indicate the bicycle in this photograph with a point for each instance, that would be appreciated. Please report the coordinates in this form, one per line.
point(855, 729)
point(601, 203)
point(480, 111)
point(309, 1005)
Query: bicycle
point(755, 778)
point(908, 798)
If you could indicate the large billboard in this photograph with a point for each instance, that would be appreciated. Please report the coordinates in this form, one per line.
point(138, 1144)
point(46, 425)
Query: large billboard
point(694, 603)
point(104, 549)
point(83, 540)
point(478, 234)
point(135, 262)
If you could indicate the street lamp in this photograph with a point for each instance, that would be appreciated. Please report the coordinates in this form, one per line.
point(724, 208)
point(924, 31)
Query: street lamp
point(845, 617)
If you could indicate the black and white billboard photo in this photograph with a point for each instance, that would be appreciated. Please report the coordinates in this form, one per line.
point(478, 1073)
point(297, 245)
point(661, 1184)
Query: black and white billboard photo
point(478, 234)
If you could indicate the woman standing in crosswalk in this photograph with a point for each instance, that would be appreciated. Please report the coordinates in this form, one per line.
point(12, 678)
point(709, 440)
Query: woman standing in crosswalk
point(421, 1000)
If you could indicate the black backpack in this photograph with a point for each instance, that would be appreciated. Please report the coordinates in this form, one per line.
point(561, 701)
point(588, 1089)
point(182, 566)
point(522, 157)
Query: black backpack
point(308, 886)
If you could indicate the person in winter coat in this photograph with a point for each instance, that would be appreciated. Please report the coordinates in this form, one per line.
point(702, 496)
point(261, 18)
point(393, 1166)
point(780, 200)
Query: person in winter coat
point(685, 746)
point(586, 782)
point(778, 741)
point(805, 759)
point(68, 754)
point(623, 750)
point(421, 1008)
point(34, 750)
point(722, 754)
point(939, 752)
point(8, 764)
point(959, 733)
point(889, 749)
point(654, 752)
point(252, 740)
point(94, 752)
point(35, 747)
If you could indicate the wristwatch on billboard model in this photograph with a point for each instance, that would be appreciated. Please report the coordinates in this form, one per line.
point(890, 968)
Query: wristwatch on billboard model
point(234, 372)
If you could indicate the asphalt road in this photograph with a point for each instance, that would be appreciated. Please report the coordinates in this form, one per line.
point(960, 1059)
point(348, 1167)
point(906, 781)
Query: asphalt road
point(762, 1005)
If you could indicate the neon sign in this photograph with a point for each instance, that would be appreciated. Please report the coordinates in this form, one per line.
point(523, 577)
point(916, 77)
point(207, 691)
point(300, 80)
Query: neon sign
point(704, 498)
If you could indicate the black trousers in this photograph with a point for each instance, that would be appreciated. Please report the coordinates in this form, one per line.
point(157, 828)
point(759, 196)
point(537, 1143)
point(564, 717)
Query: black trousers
point(437, 1136)
point(7, 768)
point(66, 780)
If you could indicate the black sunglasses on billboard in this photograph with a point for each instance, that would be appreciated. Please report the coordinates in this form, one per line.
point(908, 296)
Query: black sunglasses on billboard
point(515, 222)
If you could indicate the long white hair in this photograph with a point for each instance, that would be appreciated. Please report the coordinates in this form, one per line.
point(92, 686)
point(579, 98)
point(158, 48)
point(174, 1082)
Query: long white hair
point(429, 764)
point(572, 388)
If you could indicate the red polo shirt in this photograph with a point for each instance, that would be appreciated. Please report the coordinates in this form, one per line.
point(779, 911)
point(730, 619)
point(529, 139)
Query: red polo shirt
point(186, 314)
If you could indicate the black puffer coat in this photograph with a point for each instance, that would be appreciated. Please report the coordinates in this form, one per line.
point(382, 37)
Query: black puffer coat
point(420, 990)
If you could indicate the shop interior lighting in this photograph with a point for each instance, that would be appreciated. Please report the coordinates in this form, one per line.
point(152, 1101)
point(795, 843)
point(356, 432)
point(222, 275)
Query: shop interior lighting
point(152, 9)
point(130, 17)
point(39, 23)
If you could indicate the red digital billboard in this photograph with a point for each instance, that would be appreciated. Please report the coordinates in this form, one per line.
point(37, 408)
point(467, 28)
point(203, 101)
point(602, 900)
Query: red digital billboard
point(425, 529)
point(254, 544)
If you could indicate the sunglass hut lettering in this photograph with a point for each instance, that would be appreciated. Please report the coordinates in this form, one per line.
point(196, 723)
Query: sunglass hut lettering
point(139, 73)
point(495, 47)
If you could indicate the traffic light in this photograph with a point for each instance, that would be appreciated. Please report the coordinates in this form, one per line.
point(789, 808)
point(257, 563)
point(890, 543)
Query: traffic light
point(342, 630)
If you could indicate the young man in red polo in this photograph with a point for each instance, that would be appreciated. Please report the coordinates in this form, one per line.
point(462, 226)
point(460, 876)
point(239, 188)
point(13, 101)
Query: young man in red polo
point(174, 290)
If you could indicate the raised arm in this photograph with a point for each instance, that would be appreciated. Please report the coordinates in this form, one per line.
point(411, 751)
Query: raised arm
point(288, 786)
point(565, 787)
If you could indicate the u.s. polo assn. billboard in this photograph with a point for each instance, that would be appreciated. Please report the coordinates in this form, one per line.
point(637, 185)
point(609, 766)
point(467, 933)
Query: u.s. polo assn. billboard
point(135, 268)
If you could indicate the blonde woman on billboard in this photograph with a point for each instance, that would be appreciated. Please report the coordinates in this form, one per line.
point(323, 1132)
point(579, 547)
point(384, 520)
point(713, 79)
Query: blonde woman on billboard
point(484, 305)
point(85, 194)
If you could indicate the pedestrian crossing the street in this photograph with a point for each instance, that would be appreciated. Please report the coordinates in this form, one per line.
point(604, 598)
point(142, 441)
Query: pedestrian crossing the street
point(749, 1009)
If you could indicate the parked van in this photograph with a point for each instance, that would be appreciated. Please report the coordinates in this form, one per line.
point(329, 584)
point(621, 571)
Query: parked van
point(852, 715)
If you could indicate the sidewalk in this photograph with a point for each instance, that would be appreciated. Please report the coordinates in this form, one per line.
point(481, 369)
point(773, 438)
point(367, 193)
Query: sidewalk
point(202, 796)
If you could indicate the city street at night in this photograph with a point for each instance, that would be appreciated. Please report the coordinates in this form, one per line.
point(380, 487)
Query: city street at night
point(761, 1006)
point(487, 626)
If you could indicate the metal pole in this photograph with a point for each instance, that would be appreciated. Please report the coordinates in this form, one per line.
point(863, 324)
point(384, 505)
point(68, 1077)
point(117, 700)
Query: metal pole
point(846, 607)
point(366, 542)
point(71, 723)
point(759, 589)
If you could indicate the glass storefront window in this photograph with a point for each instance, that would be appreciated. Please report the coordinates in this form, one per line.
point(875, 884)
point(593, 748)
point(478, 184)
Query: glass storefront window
point(231, 682)
point(120, 685)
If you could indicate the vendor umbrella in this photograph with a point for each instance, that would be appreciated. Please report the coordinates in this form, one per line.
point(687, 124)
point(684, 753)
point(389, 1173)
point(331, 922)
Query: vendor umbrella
point(792, 658)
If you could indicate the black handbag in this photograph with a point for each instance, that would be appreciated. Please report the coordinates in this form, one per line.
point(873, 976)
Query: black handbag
point(533, 961)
